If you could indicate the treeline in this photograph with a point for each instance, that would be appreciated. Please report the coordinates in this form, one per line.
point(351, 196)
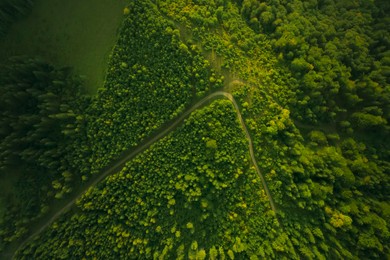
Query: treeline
point(311, 79)
point(56, 136)
point(41, 127)
point(11, 10)
point(192, 195)
point(153, 76)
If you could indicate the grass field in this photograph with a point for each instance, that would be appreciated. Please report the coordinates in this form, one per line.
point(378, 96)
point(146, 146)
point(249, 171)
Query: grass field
point(72, 33)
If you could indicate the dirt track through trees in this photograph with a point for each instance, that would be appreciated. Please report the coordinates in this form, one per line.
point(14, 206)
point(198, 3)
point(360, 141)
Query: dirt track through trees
point(120, 163)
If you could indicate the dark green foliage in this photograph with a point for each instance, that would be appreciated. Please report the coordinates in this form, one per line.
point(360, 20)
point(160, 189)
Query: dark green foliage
point(41, 128)
point(336, 49)
point(323, 183)
point(329, 169)
point(11, 10)
point(40, 112)
point(311, 80)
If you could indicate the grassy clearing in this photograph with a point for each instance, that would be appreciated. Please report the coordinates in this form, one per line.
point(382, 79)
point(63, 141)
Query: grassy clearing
point(72, 33)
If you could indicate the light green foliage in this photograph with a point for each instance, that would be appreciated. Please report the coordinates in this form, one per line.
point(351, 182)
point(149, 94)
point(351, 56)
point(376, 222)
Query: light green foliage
point(152, 77)
point(327, 64)
point(324, 168)
point(211, 144)
point(214, 207)
point(318, 137)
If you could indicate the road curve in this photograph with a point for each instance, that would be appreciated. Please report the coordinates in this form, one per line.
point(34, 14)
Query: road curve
point(120, 163)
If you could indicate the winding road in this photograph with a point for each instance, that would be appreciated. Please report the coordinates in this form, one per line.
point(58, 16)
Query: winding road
point(127, 156)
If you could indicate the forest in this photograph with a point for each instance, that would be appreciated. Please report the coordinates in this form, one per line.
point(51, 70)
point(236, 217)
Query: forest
point(278, 141)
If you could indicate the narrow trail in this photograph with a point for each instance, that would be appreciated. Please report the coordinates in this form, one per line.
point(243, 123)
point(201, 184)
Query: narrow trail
point(120, 163)
point(250, 146)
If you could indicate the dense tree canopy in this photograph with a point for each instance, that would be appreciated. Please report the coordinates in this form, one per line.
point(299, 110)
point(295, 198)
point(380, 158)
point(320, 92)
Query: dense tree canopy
point(191, 198)
point(42, 129)
point(311, 79)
